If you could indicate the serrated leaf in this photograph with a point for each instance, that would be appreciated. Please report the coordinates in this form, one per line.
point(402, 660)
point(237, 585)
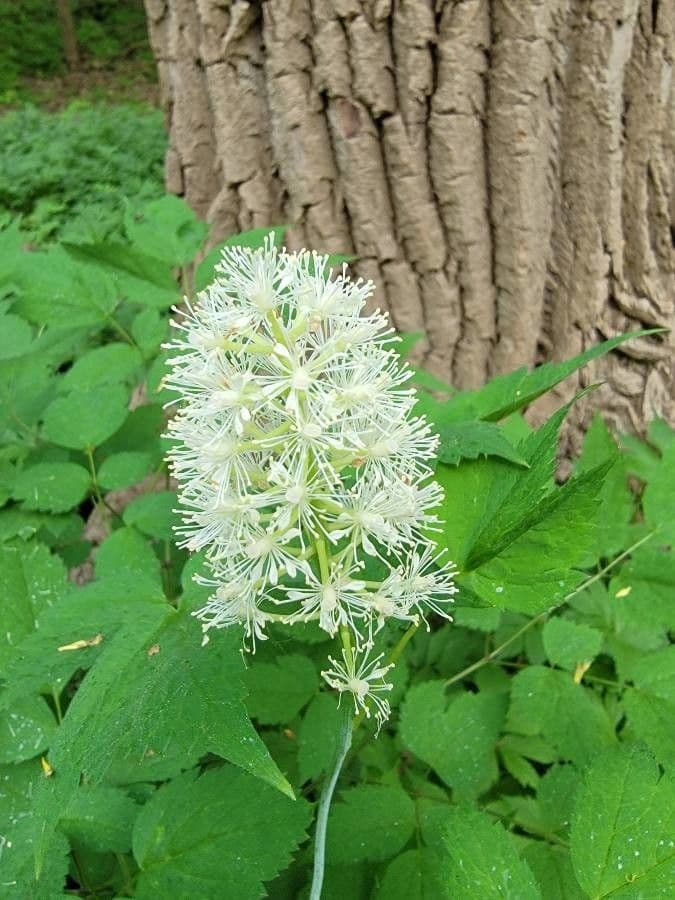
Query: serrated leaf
point(430, 731)
point(124, 469)
point(26, 729)
point(469, 440)
point(166, 229)
point(206, 271)
point(278, 691)
point(622, 832)
point(100, 818)
point(370, 822)
point(31, 580)
point(483, 861)
point(220, 835)
point(149, 329)
point(52, 486)
point(569, 643)
point(85, 419)
point(640, 603)
point(153, 514)
point(553, 872)
point(547, 703)
point(507, 393)
point(650, 704)
point(414, 875)
point(114, 363)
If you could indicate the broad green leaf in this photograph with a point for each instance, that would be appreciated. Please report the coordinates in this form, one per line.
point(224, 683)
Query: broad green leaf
point(569, 643)
point(31, 580)
point(507, 393)
point(89, 614)
point(128, 551)
point(414, 875)
point(26, 729)
point(483, 860)
point(114, 363)
point(52, 486)
point(469, 440)
point(278, 691)
point(166, 229)
point(137, 277)
point(100, 818)
point(16, 336)
point(141, 432)
point(206, 271)
point(641, 598)
point(318, 736)
point(553, 872)
point(660, 434)
point(149, 330)
point(615, 498)
point(124, 469)
point(153, 514)
point(650, 704)
point(430, 731)
point(85, 419)
point(547, 703)
point(26, 387)
point(156, 690)
point(56, 531)
point(219, 835)
point(658, 500)
point(622, 832)
point(370, 822)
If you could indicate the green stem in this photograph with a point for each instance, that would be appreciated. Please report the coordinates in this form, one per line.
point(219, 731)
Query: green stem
point(100, 499)
point(344, 743)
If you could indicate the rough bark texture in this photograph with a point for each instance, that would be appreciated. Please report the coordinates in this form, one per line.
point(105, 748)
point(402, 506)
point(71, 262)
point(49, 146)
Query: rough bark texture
point(504, 169)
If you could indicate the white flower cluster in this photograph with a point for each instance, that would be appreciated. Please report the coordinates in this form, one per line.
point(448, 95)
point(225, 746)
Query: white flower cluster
point(299, 460)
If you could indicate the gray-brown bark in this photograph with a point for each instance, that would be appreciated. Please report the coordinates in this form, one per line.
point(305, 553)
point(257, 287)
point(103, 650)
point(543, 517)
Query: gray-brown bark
point(504, 169)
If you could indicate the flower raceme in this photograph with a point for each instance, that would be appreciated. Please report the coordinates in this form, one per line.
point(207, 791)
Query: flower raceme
point(302, 468)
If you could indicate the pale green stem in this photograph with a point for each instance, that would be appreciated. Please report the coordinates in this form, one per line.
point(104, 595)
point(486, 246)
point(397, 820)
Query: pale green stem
point(343, 745)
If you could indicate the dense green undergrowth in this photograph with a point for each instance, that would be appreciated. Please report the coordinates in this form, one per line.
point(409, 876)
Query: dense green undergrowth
point(531, 746)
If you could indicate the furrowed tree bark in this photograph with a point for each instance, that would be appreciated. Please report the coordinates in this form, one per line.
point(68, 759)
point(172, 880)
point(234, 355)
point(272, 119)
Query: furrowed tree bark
point(504, 169)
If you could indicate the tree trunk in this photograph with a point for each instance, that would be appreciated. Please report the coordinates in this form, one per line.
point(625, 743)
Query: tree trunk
point(504, 169)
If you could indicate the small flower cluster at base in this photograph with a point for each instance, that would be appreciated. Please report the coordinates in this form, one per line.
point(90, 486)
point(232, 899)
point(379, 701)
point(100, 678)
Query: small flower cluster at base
point(300, 461)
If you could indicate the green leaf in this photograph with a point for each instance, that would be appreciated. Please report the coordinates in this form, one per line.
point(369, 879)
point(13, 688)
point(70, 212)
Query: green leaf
point(569, 643)
point(26, 730)
point(547, 703)
point(318, 737)
point(153, 514)
point(148, 329)
point(615, 497)
point(658, 500)
point(166, 229)
point(92, 613)
point(137, 277)
point(484, 862)
point(205, 273)
point(414, 875)
point(83, 420)
point(278, 691)
point(52, 486)
point(371, 822)
point(114, 363)
point(650, 705)
point(469, 440)
point(31, 581)
point(641, 607)
point(429, 730)
point(507, 393)
point(220, 835)
point(553, 872)
point(622, 832)
point(126, 550)
point(100, 819)
point(16, 336)
point(123, 469)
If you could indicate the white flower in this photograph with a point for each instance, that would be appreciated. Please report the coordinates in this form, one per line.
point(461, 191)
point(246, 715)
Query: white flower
point(299, 459)
point(365, 683)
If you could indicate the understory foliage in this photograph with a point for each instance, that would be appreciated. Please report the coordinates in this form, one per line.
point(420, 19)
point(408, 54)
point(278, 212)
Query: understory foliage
point(530, 746)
